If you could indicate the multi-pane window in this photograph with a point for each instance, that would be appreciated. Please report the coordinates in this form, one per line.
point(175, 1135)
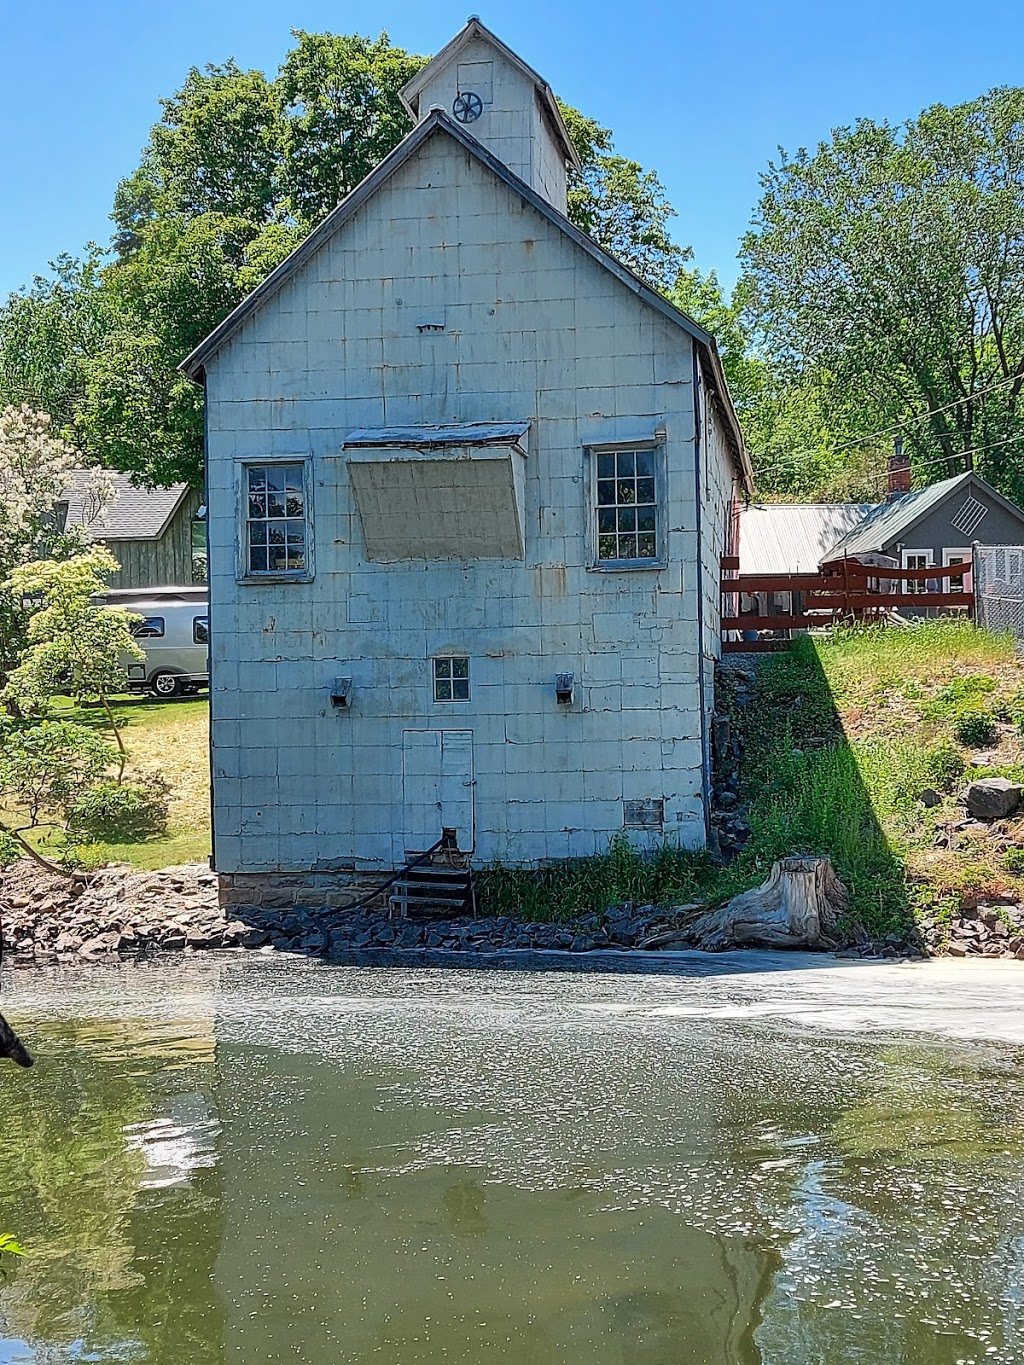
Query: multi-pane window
point(916, 559)
point(627, 508)
point(451, 679)
point(275, 519)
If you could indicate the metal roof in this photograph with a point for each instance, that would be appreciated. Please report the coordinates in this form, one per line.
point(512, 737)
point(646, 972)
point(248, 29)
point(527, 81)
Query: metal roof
point(438, 121)
point(890, 521)
point(458, 434)
point(794, 537)
point(134, 514)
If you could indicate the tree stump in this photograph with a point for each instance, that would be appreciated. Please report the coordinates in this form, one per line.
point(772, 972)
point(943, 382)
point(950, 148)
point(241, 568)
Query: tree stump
point(798, 906)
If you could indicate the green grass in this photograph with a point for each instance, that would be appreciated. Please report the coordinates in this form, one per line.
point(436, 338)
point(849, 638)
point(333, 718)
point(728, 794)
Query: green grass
point(844, 733)
point(170, 736)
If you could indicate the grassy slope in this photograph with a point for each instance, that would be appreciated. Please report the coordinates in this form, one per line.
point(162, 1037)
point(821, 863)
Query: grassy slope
point(171, 736)
point(843, 734)
point(860, 723)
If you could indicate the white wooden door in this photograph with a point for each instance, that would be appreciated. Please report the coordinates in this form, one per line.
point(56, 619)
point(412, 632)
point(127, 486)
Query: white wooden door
point(437, 786)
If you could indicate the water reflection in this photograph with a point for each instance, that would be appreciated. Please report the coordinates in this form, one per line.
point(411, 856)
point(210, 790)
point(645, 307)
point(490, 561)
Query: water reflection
point(268, 1163)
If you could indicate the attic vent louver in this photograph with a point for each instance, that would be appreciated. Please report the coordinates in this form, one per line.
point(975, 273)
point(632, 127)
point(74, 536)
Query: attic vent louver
point(969, 517)
point(649, 814)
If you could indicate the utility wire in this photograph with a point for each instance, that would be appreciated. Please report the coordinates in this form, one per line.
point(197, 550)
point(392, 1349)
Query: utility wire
point(890, 430)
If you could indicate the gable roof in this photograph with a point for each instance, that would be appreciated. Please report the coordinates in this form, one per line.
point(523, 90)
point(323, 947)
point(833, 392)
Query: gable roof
point(134, 514)
point(793, 537)
point(438, 122)
point(891, 521)
point(411, 91)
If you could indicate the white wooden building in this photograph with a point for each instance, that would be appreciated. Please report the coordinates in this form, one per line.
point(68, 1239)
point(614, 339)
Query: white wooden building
point(469, 481)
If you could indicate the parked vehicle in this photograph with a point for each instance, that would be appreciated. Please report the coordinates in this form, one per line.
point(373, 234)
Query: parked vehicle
point(174, 632)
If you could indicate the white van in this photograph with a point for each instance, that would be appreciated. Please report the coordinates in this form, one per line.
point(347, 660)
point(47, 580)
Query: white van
point(174, 632)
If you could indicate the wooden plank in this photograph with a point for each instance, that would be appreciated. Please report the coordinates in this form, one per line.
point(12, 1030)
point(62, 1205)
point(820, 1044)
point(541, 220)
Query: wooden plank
point(751, 583)
point(730, 562)
point(910, 599)
point(857, 575)
point(780, 622)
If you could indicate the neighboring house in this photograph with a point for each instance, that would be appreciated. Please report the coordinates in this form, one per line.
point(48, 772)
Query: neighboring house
point(153, 533)
point(469, 483)
point(914, 530)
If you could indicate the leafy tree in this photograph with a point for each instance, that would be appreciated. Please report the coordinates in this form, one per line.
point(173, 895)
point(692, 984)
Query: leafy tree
point(891, 260)
point(623, 207)
point(47, 334)
point(217, 149)
point(237, 170)
point(44, 769)
point(74, 645)
point(34, 468)
point(341, 116)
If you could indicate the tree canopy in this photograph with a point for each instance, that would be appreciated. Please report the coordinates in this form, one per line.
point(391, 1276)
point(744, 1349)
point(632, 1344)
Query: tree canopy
point(239, 168)
point(885, 271)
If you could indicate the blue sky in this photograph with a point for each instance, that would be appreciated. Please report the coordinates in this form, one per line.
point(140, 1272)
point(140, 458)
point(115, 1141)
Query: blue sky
point(701, 93)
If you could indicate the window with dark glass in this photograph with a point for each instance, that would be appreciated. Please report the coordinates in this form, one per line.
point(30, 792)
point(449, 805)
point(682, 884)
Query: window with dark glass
point(201, 630)
point(451, 679)
point(627, 508)
point(276, 523)
point(149, 628)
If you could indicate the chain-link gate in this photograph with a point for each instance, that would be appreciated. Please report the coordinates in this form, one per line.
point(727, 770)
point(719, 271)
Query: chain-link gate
point(999, 587)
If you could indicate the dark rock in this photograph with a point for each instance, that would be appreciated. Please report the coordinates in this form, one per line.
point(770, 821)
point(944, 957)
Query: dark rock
point(582, 943)
point(992, 798)
point(929, 798)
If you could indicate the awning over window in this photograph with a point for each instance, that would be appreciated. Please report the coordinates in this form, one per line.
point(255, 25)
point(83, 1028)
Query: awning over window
point(457, 434)
point(441, 492)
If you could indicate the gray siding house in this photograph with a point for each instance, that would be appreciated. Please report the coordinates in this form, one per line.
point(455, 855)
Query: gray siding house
point(469, 482)
point(149, 531)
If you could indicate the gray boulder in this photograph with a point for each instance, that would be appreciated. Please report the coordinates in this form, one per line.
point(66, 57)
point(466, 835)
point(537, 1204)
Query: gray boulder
point(992, 798)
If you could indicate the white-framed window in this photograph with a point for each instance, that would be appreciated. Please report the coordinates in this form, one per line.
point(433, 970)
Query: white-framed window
point(276, 526)
point(958, 555)
point(627, 507)
point(451, 678)
point(916, 559)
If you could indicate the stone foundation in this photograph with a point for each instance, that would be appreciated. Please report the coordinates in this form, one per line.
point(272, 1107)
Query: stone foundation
point(287, 890)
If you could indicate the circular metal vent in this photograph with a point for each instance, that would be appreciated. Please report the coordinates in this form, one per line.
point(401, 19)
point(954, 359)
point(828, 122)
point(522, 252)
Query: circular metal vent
point(467, 107)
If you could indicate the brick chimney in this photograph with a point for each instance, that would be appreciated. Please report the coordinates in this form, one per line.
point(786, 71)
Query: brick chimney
point(899, 471)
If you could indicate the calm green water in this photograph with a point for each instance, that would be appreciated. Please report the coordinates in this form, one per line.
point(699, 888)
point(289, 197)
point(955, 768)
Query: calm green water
point(261, 1162)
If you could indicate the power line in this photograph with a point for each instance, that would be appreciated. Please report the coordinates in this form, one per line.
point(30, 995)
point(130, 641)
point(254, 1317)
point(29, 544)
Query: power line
point(974, 450)
point(891, 430)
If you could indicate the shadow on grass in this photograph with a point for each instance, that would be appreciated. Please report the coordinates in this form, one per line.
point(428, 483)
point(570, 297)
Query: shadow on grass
point(811, 791)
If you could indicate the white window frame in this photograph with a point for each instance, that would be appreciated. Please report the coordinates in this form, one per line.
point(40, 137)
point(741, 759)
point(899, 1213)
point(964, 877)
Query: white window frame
point(909, 585)
point(451, 660)
point(960, 554)
point(592, 453)
point(244, 573)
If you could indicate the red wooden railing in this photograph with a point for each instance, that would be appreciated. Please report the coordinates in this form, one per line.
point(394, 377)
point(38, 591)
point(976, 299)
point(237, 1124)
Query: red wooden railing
point(843, 590)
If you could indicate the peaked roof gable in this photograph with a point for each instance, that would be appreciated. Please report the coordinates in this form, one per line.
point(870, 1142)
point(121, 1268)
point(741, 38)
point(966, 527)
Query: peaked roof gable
point(133, 514)
point(410, 92)
point(437, 121)
point(890, 520)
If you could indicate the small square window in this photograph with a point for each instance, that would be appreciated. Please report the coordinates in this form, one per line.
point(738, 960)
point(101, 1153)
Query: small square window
point(626, 507)
point(451, 679)
point(276, 520)
point(201, 630)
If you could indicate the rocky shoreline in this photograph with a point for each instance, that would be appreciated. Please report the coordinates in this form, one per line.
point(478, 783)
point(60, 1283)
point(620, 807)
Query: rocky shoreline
point(120, 912)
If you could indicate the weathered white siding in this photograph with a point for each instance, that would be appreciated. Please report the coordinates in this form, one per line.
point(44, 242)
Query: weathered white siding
point(513, 125)
point(534, 330)
point(717, 497)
